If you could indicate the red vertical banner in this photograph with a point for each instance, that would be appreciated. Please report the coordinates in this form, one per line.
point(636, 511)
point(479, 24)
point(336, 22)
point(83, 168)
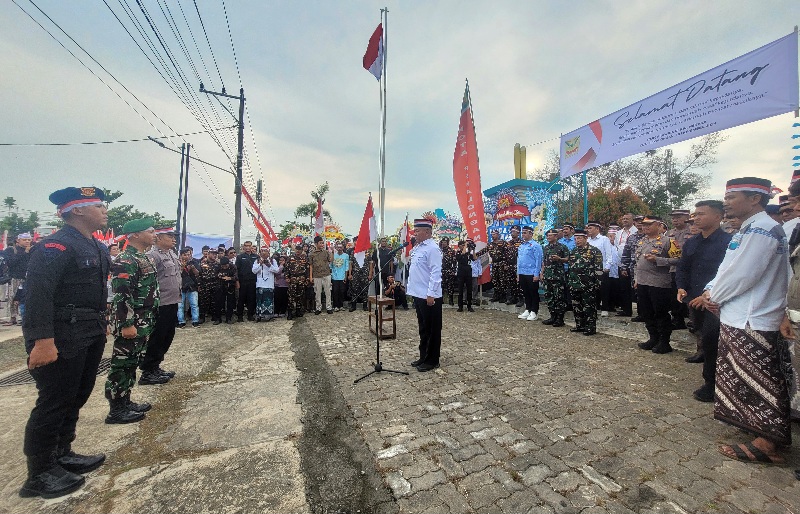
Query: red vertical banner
point(467, 178)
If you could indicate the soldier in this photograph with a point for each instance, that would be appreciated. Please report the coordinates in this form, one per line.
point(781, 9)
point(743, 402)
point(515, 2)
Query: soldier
point(65, 334)
point(513, 291)
point(497, 252)
point(208, 286)
point(449, 269)
point(585, 270)
point(554, 278)
point(679, 233)
point(297, 271)
point(653, 285)
point(136, 301)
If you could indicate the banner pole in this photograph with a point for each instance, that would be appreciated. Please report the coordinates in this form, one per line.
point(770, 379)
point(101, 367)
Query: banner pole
point(796, 111)
point(585, 200)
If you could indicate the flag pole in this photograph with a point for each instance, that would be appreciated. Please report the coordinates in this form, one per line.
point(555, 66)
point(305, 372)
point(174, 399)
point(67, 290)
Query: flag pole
point(384, 16)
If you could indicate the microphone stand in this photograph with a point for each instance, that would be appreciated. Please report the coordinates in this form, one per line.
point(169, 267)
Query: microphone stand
point(378, 365)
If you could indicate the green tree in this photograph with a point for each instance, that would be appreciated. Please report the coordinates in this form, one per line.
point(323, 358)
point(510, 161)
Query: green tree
point(307, 210)
point(10, 203)
point(608, 206)
point(118, 216)
point(16, 224)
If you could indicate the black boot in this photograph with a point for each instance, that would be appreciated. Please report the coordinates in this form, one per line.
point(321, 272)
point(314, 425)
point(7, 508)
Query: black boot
point(365, 307)
point(120, 414)
point(76, 463)
point(520, 302)
point(590, 330)
point(137, 407)
point(352, 306)
point(651, 342)
point(551, 320)
point(289, 315)
point(152, 378)
point(663, 346)
point(451, 300)
point(49, 480)
point(559, 322)
point(511, 300)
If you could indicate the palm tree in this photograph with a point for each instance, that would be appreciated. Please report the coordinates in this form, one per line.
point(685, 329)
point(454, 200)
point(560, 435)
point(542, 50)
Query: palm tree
point(10, 203)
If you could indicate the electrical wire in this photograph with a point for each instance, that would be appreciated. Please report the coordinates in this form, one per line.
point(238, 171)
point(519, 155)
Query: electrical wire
point(149, 138)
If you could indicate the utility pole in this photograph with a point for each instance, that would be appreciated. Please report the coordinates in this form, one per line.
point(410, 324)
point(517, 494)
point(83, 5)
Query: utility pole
point(258, 201)
point(237, 215)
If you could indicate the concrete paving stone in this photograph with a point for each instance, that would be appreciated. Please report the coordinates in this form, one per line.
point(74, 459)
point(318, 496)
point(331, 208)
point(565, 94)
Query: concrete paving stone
point(520, 502)
point(463, 454)
point(567, 481)
point(604, 482)
point(587, 497)
point(446, 441)
point(496, 451)
point(536, 474)
point(560, 449)
point(398, 484)
point(451, 468)
point(475, 480)
point(559, 503)
point(487, 495)
point(420, 466)
point(397, 462)
point(392, 451)
point(427, 481)
point(484, 433)
point(453, 498)
point(424, 502)
point(433, 420)
point(748, 499)
point(681, 498)
point(478, 463)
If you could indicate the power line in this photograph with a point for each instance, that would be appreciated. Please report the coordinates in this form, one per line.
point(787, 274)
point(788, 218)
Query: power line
point(96, 75)
point(149, 138)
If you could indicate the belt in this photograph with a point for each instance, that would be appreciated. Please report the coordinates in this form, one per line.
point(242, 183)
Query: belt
point(75, 314)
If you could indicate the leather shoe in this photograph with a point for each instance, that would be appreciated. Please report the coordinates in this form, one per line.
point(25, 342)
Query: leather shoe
point(590, 331)
point(548, 321)
point(679, 325)
point(577, 329)
point(416, 363)
point(460, 309)
point(119, 414)
point(170, 374)
point(426, 367)
point(470, 309)
point(637, 319)
point(80, 464)
point(647, 345)
point(52, 483)
point(696, 358)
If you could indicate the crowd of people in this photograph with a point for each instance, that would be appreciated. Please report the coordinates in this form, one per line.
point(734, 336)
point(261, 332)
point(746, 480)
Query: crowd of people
point(722, 270)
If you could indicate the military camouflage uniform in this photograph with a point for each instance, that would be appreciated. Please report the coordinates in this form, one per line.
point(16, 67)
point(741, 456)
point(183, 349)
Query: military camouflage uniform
point(497, 252)
point(449, 269)
point(296, 272)
point(513, 290)
point(136, 298)
point(207, 287)
point(583, 279)
point(554, 278)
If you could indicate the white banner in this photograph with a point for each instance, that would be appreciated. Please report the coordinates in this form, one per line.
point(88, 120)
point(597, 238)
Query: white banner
point(757, 85)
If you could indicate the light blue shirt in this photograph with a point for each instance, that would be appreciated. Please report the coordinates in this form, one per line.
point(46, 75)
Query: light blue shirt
point(339, 266)
point(529, 258)
point(569, 242)
point(425, 274)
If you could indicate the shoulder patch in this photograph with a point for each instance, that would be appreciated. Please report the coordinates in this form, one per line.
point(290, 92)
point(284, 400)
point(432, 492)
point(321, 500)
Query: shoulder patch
point(123, 275)
point(57, 246)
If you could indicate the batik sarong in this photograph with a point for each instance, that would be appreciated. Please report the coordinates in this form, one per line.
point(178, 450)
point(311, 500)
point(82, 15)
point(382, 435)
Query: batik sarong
point(751, 383)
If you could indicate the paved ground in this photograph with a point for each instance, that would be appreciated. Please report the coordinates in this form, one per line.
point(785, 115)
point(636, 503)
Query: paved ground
point(521, 417)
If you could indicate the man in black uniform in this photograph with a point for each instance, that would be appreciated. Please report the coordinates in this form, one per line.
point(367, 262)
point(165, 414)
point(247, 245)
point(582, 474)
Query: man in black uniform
point(247, 282)
point(65, 334)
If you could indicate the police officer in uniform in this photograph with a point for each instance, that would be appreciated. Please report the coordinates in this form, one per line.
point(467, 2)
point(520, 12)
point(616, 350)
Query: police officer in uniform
point(65, 334)
point(497, 252)
point(585, 270)
point(297, 271)
point(135, 306)
point(554, 278)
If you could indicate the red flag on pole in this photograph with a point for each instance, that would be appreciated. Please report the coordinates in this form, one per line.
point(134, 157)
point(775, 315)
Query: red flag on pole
point(270, 235)
point(373, 57)
point(467, 179)
point(366, 234)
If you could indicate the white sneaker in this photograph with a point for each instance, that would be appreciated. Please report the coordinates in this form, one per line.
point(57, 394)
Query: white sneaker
point(524, 315)
point(532, 316)
point(604, 314)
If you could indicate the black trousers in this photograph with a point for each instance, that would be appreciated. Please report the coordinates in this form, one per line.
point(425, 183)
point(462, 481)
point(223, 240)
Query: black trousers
point(530, 290)
point(604, 294)
point(708, 324)
point(161, 339)
point(399, 296)
point(464, 281)
point(281, 300)
point(247, 296)
point(337, 291)
point(624, 294)
point(225, 300)
point(63, 387)
point(429, 318)
point(654, 305)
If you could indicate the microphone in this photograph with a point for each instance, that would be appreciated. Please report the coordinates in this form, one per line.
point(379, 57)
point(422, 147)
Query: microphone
point(394, 252)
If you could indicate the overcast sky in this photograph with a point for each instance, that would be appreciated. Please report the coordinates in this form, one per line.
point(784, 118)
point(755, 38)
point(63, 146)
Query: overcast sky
point(536, 69)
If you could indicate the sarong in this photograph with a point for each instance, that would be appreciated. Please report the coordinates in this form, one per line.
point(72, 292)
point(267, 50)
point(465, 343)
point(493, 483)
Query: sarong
point(751, 383)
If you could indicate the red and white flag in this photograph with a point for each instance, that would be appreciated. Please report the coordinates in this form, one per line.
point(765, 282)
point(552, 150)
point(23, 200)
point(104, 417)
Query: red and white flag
point(373, 57)
point(366, 234)
point(405, 237)
point(319, 219)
